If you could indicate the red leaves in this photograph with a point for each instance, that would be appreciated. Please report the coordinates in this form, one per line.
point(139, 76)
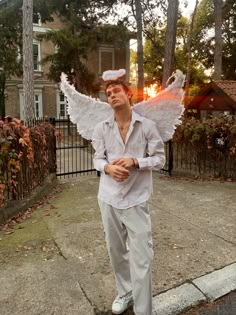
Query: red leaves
point(58, 135)
point(24, 156)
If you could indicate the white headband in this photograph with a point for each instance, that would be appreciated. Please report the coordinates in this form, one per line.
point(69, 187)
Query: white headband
point(113, 74)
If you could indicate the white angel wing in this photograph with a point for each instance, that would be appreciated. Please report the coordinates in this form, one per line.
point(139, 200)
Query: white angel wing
point(84, 111)
point(165, 109)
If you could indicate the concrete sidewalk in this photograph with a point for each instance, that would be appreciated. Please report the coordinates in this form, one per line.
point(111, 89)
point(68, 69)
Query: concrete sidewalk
point(55, 262)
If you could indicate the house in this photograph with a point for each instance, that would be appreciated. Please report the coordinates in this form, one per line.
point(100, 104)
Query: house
point(214, 98)
point(49, 101)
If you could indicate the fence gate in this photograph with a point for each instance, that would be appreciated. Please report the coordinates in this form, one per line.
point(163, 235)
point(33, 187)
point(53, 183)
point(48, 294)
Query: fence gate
point(168, 167)
point(74, 154)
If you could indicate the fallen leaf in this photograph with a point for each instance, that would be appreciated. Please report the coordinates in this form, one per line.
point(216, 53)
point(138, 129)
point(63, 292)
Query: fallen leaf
point(8, 232)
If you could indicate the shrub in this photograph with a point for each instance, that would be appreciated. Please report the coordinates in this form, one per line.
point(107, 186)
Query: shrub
point(214, 133)
point(27, 155)
point(208, 145)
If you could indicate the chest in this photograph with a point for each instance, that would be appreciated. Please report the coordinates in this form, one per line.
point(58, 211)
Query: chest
point(129, 142)
point(123, 134)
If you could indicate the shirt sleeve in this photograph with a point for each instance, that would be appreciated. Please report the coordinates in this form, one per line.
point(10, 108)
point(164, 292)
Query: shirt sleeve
point(98, 143)
point(155, 159)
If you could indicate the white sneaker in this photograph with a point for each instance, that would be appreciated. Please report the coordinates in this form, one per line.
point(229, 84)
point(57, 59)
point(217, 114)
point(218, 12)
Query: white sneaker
point(121, 303)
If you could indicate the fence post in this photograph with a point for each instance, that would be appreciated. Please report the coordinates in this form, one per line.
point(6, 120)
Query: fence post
point(53, 169)
point(170, 168)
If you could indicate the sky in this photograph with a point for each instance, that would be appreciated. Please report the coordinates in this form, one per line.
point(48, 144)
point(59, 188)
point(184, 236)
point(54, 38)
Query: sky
point(190, 7)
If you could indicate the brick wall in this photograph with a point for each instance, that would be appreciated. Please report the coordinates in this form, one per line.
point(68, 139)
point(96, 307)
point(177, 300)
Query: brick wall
point(12, 101)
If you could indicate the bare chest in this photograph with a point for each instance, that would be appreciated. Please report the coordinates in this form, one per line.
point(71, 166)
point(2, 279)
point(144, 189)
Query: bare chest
point(123, 134)
point(123, 130)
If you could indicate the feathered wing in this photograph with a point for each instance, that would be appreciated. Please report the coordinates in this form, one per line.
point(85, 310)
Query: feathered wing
point(165, 109)
point(84, 111)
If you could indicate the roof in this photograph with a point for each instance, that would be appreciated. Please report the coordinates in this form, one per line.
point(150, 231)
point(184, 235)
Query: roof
point(229, 87)
point(225, 92)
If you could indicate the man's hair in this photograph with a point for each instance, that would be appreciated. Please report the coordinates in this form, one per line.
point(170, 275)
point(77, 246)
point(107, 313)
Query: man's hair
point(124, 84)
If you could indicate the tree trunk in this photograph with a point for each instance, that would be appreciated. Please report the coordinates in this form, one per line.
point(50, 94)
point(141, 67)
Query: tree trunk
point(190, 36)
point(138, 10)
point(218, 39)
point(2, 91)
point(28, 67)
point(170, 39)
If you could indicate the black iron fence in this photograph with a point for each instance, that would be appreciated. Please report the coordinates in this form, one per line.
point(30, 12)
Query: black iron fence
point(74, 154)
point(68, 154)
point(168, 167)
point(214, 162)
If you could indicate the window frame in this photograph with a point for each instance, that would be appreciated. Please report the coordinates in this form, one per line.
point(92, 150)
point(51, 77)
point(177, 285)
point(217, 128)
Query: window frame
point(105, 49)
point(39, 68)
point(39, 20)
point(59, 103)
point(36, 92)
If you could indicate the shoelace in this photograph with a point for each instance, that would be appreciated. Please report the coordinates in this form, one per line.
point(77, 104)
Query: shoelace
point(123, 299)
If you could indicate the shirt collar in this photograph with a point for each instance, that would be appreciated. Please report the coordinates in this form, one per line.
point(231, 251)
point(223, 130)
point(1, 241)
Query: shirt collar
point(135, 117)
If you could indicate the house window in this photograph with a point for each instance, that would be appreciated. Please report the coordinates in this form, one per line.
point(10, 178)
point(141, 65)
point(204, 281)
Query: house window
point(37, 18)
point(106, 59)
point(61, 105)
point(36, 56)
point(38, 104)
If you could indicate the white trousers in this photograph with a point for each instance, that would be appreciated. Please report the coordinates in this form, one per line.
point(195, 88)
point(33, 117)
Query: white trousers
point(132, 265)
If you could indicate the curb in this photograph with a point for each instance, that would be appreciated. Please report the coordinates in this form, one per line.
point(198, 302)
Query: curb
point(204, 289)
point(14, 207)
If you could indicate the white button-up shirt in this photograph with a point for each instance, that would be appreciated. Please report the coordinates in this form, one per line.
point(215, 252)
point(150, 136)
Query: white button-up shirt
point(144, 143)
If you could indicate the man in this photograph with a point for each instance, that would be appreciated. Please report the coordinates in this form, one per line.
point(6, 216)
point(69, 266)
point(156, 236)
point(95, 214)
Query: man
point(127, 147)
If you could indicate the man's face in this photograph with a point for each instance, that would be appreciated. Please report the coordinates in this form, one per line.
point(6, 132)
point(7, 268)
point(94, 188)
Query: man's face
point(117, 97)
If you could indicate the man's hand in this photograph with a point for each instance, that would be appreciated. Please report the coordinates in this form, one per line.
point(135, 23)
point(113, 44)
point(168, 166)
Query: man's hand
point(117, 172)
point(124, 162)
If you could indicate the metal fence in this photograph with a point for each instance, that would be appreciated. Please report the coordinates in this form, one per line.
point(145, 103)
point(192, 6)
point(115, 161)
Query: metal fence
point(75, 154)
point(204, 162)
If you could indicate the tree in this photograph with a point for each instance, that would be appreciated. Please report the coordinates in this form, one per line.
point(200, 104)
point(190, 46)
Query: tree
point(69, 58)
point(11, 39)
point(138, 16)
point(10, 47)
point(28, 68)
point(204, 39)
point(170, 39)
point(229, 40)
point(218, 39)
point(189, 51)
point(73, 46)
point(154, 49)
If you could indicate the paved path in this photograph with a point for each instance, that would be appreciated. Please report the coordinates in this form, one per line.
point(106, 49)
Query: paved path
point(55, 262)
point(223, 306)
